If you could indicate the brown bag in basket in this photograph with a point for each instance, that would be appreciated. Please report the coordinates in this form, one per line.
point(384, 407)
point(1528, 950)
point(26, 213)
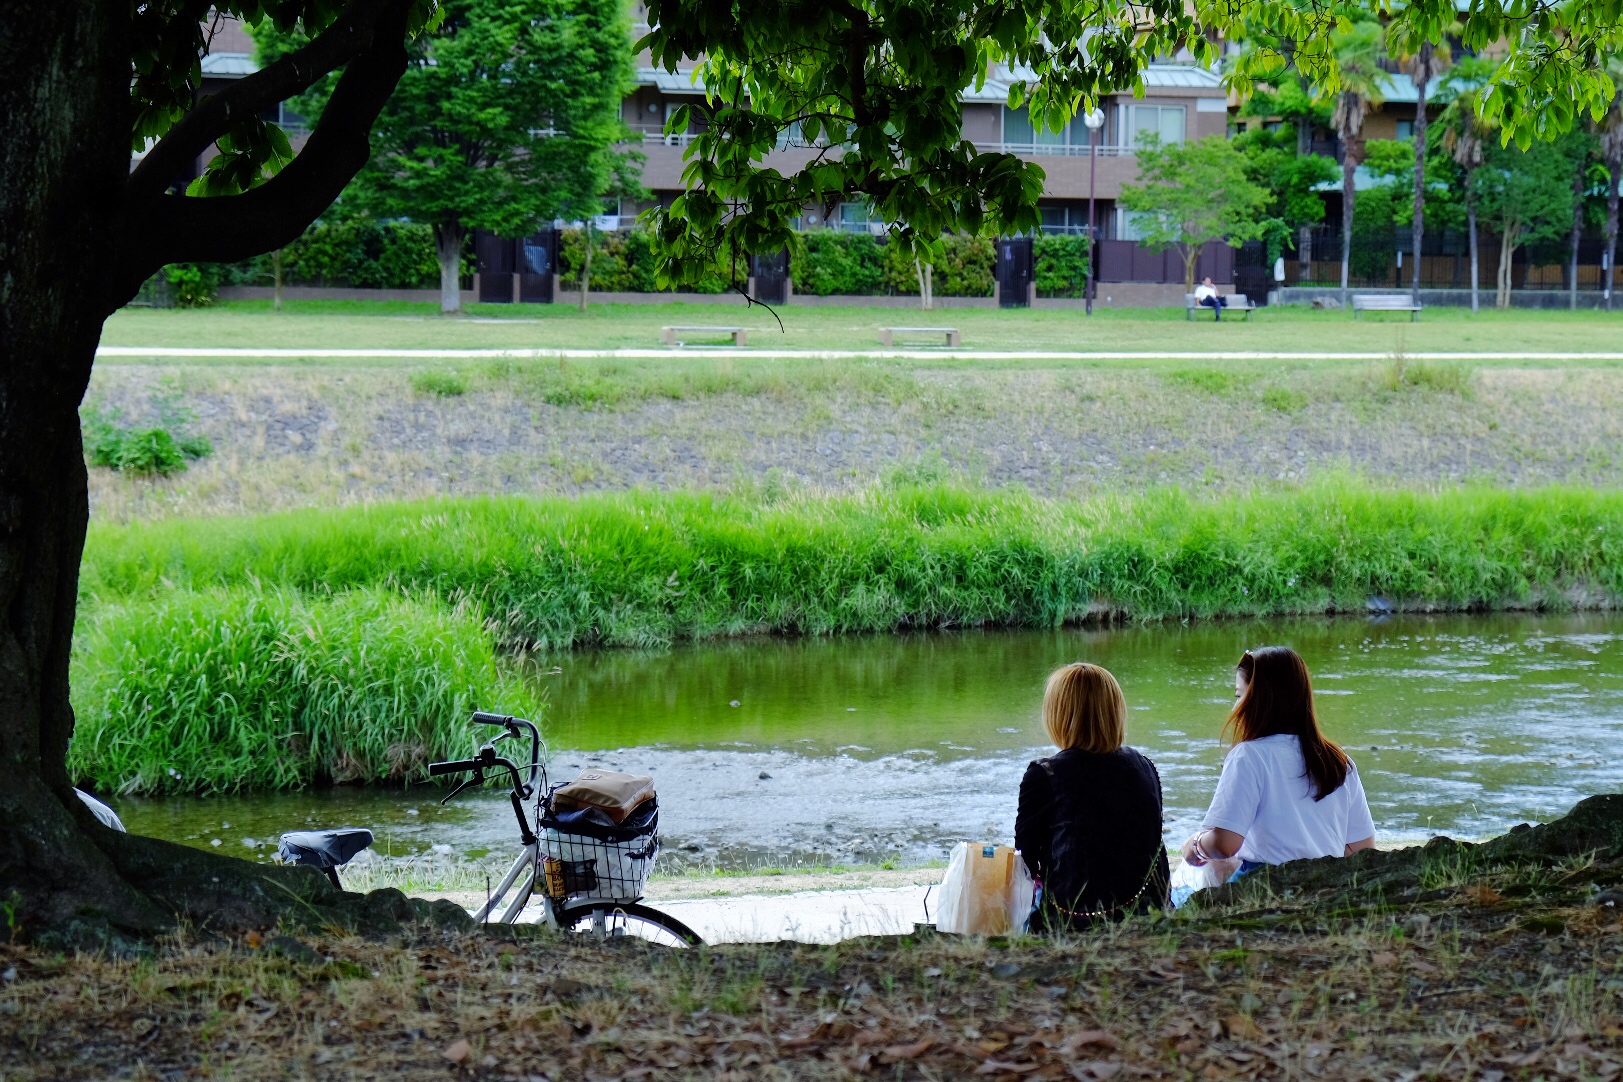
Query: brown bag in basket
point(616, 795)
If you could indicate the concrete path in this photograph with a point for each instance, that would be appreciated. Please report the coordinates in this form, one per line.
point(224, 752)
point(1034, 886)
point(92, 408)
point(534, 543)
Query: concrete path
point(268, 353)
point(807, 916)
point(813, 916)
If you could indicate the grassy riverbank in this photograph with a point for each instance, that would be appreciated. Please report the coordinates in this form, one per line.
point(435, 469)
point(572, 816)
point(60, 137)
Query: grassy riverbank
point(645, 569)
point(350, 644)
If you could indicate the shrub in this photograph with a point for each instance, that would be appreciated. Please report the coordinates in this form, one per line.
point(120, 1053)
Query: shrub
point(1283, 399)
point(194, 285)
point(1061, 265)
point(237, 688)
point(965, 268)
point(440, 384)
point(825, 263)
point(623, 262)
point(147, 451)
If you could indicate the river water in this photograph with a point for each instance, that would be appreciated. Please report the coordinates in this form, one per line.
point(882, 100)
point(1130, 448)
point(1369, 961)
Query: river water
point(785, 751)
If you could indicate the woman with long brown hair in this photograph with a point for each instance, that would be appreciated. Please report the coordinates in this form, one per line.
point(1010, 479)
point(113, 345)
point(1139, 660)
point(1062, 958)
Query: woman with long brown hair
point(1286, 792)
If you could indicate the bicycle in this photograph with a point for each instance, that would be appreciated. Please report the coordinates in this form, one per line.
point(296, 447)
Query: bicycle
point(590, 880)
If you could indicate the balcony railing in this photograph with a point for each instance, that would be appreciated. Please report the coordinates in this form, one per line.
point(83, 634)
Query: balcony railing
point(655, 135)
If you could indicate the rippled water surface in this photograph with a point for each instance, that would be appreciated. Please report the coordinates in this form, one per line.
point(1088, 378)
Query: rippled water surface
point(886, 746)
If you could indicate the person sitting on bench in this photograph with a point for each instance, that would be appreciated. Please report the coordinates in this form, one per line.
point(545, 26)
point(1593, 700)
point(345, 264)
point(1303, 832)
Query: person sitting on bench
point(1207, 296)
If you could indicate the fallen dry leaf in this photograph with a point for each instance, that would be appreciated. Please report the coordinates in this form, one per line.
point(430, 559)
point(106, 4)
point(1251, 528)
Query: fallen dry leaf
point(1382, 959)
point(1241, 1028)
point(1094, 1070)
point(1088, 1037)
point(993, 1066)
point(1483, 895)
point(906, 1051)
point(458, 1050)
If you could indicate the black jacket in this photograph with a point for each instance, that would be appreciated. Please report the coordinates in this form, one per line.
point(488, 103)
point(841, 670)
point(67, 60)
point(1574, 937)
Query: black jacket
point(1089, 826)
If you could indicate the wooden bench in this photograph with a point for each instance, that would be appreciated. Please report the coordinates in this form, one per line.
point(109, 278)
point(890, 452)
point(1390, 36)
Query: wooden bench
point(1234, 302)
point(739, 334)
point(1384, 302)
point(887, 335)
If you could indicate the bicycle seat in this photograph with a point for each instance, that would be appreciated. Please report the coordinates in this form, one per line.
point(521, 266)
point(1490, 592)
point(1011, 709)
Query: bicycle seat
point(324, 849)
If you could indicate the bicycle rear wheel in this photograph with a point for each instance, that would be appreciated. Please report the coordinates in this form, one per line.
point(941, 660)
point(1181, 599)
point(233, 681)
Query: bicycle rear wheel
point(607, 920)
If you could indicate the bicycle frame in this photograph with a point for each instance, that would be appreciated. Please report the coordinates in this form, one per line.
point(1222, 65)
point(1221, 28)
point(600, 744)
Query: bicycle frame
point(524, 870)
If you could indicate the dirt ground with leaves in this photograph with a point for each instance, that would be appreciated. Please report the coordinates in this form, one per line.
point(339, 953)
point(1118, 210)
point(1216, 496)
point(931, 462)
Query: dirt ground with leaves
point(1449, 961)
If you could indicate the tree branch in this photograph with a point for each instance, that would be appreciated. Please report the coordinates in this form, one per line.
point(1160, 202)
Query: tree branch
point(348, 36)
point(176, 228)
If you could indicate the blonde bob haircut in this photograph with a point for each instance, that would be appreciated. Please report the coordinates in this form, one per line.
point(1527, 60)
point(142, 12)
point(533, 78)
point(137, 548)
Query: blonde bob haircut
point(1083, 708)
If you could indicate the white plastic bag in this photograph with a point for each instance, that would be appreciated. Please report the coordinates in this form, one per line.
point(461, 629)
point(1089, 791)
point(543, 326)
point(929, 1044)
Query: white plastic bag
point(1188, 878)
point(986, 891)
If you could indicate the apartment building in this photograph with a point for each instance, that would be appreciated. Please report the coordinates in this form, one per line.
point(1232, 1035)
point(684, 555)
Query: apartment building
point(1181, 101)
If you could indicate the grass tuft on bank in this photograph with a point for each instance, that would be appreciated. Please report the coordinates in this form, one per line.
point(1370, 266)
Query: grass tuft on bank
point(646, 568)
point(266, 687)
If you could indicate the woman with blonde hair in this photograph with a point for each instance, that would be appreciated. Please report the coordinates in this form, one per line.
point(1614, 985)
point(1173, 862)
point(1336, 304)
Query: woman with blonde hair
point(1286, 792)
point(1089, 824)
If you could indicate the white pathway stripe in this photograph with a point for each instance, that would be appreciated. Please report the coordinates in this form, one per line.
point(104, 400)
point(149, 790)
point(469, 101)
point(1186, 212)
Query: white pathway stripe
point(842, 354)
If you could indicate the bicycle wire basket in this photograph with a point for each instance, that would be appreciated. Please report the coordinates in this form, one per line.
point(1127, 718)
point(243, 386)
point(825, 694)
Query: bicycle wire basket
point(581, 860)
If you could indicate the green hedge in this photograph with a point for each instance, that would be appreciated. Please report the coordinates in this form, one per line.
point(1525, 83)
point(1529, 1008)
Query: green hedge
point(1061, 265)
point(623, 262)
point(826, 263)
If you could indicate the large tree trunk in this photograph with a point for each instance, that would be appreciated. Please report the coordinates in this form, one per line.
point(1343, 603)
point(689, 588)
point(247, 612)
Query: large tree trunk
point(63, 161)
point(1419, 230)
point(75, 244)
point(448, 240)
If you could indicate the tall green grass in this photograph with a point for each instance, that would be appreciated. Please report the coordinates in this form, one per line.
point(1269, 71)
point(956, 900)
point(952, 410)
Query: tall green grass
point(648, 568)
point(243, 686)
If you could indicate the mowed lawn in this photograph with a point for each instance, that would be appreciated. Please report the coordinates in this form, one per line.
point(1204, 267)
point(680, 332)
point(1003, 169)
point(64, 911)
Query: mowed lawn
point(328, 325)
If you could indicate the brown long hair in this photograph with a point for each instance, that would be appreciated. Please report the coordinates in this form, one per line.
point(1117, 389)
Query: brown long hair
point(1278, 698)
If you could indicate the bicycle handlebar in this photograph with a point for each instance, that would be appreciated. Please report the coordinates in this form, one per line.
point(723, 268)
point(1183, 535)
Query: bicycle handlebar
point(482, 718)
point(455, 766)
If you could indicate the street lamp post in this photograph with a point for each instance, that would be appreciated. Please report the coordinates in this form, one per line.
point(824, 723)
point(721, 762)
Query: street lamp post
point(1095, 120)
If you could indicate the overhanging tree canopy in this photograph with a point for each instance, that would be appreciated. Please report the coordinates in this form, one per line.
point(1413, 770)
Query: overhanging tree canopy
point(874, 85)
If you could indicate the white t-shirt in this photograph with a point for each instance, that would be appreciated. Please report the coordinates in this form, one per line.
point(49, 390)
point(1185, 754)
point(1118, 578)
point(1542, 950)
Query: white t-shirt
point(1203, 291)
point(1265, 796)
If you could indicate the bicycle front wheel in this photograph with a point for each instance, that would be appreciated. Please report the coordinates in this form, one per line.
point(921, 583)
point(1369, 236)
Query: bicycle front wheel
point(607, 920)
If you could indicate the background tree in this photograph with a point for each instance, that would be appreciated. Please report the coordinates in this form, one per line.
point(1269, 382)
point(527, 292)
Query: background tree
point(1610, 138)
point(1358, 53)
point(505, 119)
point(1465, 133)
point(1527, 196)
point(1292, 181)
point(1190, 194)
point(1422, 61)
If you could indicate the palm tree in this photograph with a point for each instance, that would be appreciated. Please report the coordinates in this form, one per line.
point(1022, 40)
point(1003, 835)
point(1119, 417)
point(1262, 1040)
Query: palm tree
point(1426, 62)
point(1464, 135)
point(1358, 52)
